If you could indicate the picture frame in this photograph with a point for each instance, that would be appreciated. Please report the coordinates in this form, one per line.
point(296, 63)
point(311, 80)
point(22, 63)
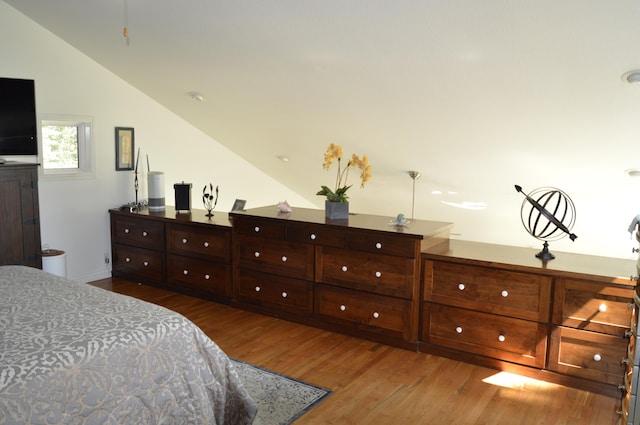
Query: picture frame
point(125, 148)
point(238, 205)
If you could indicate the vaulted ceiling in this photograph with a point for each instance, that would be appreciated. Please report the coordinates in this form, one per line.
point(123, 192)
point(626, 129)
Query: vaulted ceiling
point(476, 95)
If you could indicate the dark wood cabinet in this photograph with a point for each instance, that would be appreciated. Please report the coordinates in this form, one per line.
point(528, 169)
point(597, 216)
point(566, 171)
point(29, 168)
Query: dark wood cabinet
point(19, 209)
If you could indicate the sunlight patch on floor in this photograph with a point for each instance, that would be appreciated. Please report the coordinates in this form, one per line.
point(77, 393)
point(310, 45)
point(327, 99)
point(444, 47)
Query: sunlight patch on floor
point(511, 380)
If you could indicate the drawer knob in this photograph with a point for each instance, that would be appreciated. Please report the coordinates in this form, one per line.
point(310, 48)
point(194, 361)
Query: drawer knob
point(207, 277)
point(127, 260)
point(145, 234)
point(378, 274)
point(184, 240)
point(597, 357)
point(256, 254)
point(185, 272)
point(628, 333)
point(145, 263)
point(602, 308)
point(206, 244)
point(504, 293)
point(127, 231)
point(625, 361)
point(258, 289)
point(378, 245)
point(345, 268)
point(461, 286)
point(343, 307)
point(284, 258)
point(284, 295)
point(502, 338)
point(459, 329)
point(313, 236)
point(256, 229)
point(376, 314)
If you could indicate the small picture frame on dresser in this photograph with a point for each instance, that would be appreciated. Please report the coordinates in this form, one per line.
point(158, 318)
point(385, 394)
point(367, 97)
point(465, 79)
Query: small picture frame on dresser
point(238, 205)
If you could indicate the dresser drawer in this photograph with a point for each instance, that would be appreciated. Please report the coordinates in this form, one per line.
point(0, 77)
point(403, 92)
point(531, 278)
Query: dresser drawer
point(593, 306)
point(384, 315)
point(514, 340)
point(201, 241)
point(316, 234)
point(139, 232)
point(590, 355)
point(272, 229)
point(201, 275)
point(377, 273)
point(277, 257)
point(138, 262)
point(521, 295)
point(383, 243)
point(276, 292)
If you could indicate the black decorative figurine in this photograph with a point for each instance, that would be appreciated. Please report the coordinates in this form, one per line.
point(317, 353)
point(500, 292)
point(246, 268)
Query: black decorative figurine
point(209, 199)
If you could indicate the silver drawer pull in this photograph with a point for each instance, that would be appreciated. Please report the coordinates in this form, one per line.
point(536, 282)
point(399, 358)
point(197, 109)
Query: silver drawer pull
point(207, 277)
point(127, 230)
point(185, 272)
point(504, 293)
point(184, 240)
point(602, 308)
point(345, 268)
point(378, 274)
point(146, 263)
point(284, 295)
point(459, 329)
point(625, 361)
point(378, 245)
point(258, 289)
point(256, 229)
point(313, 236)
point(461, 286)
point(206, 244)
point(256, 254)
point(343, 307)
point(376, 315)
point(284, 258)
point(597, 357)
point(502, 338)
point(145, 234)
point(127, 260)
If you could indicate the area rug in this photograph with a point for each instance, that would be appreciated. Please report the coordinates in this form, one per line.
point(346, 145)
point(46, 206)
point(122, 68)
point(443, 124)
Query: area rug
point(280, 399)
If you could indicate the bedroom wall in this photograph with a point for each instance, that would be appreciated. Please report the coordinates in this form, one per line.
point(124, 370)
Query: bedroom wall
point(74, 212)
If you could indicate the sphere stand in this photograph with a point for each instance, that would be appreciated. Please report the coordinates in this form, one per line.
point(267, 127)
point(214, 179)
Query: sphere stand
point(545, 254)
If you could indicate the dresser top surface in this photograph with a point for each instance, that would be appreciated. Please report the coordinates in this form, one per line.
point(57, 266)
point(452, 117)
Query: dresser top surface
point(169, 213)
point(566, 264)
point(415, 228)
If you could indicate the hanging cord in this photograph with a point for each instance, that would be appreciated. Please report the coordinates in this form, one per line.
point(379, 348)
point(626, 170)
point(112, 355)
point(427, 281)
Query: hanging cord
point(125, 31)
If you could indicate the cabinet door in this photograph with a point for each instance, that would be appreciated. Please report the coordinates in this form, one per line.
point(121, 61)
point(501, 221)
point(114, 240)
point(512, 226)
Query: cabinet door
point(504, 338)
point(206, 242)
point(209, 277)
point(590, 355)
point(593, 306)
point(377, 273)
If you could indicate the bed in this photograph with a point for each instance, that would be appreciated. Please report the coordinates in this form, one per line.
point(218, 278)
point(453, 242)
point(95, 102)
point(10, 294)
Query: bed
point(72, 353)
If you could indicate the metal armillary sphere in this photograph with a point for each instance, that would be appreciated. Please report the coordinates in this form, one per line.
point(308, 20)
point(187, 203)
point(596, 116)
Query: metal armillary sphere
point(548, 214)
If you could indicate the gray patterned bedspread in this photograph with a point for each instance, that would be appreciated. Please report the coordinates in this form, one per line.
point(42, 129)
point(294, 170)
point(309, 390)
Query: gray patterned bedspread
point(71, 353)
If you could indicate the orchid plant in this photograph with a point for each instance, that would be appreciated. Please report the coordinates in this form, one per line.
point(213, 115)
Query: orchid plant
point(339, 193)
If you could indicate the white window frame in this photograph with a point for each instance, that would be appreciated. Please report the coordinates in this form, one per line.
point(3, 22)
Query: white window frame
point(86, 151)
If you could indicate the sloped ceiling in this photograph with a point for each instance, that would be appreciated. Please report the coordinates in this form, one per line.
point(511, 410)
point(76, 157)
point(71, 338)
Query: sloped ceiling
point(476, 95)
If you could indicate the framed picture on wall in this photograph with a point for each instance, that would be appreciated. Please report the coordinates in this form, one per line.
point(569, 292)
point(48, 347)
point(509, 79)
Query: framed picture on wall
point(124, 148)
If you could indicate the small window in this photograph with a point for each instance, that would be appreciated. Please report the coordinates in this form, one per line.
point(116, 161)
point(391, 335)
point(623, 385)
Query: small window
point(66, 147)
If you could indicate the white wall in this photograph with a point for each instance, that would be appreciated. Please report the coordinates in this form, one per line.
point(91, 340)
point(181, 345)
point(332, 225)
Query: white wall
point(73, 213)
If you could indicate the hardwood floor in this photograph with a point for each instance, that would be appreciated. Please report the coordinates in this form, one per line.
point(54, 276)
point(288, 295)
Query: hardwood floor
point(374, 383)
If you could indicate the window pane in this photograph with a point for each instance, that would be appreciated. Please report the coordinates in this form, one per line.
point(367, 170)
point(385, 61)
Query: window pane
point(60, 146)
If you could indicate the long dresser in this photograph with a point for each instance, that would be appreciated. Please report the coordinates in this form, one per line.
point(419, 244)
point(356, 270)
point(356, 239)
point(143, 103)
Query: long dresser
point(566, 320)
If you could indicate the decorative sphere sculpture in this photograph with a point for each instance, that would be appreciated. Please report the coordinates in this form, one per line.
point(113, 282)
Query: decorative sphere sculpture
point(548, 214)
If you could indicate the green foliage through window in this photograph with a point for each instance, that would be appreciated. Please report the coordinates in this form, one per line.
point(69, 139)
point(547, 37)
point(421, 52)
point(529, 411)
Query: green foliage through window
point(60, 146)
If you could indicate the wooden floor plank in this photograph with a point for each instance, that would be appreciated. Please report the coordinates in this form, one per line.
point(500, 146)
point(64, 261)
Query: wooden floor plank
point(374, 383)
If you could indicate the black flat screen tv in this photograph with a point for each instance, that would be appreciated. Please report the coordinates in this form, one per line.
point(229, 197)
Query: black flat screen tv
point(18, 127)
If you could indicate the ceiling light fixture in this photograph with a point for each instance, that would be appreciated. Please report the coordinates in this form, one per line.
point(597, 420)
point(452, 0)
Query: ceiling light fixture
point(633, 172)
point(631, 77)
point(197, 96)
point(283, 158)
